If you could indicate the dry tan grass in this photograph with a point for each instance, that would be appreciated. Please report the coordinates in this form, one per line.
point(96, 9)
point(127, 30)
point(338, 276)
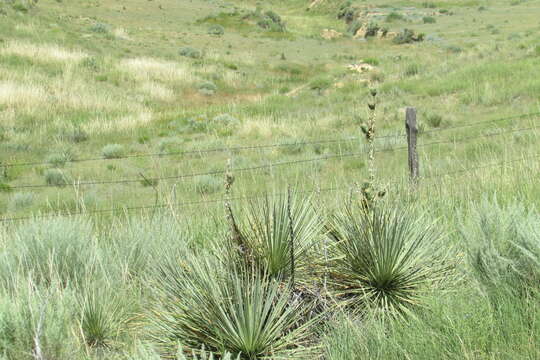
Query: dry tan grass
point(157, 91)
point(121, 34)
point(17, 95)
point(145, 69)
point(104, 125)
point(42, 52)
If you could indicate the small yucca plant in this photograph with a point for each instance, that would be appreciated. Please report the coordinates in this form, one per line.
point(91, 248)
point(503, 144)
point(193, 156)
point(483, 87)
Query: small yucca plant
point(101, 318)
point(280, 232)
point(203, 302)
point(386, 258)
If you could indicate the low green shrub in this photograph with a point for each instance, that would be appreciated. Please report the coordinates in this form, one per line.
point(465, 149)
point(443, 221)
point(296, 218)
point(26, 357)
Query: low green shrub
point(407, 36)
point(207, 88)
point(371, 61)
point(112, 151)
point(216, 30)
point(100, 28)
point(59, 159)
point(208, 184)
point(504, 245)
point(191, 52)
point(434, 120)
point(320, 84)
point(394, 16)
point(429, 20)
point(20, 200)
point(56, 177)
point(347, 12)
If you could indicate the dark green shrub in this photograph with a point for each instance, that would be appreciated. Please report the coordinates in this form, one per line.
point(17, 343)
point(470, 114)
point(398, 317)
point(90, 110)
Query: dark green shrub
point(270, 21)
point(429, 5)
point(408, 36)
point(372, 29)
point(429, 20)
point(191, 52)
point(100, 28)
point(371, 61)
point(434, 120)
point(320, 84)
point(346, 12)
point(394, 16)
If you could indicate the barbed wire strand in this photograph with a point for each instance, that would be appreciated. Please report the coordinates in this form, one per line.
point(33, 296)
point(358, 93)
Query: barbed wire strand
point(266, 166)
point(265, 194)
point(258, 147)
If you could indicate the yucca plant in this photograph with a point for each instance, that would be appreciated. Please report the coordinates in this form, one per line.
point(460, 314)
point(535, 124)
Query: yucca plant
point(201, 301)
point(386, 258)
point(275, 245)
point(102, 317)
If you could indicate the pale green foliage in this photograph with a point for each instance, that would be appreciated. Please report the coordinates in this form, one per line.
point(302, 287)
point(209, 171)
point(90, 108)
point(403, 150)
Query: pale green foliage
point(505, 243)
point(112, 151)
point(55, 251)
point(20, 200)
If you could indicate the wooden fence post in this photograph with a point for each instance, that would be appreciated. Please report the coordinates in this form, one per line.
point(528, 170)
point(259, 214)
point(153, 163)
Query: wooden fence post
point(412, 132)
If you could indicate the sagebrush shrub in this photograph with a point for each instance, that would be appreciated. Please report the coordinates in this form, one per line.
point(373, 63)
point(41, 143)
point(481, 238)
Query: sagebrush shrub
point(100, 28)
point(394, 16)
point(191, 52)
point(207, 88)
point(208, 184)
point(112, 151)
point(407, 36)
point(20, 200)
point(56, 177)
point(216, 29)
point(429, 20)
point(59, 159)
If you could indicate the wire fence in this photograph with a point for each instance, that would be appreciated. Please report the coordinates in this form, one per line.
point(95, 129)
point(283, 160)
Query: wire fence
point(269, 166)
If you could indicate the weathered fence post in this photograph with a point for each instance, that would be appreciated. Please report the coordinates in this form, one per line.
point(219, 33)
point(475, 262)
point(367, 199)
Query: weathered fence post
point(412, 132)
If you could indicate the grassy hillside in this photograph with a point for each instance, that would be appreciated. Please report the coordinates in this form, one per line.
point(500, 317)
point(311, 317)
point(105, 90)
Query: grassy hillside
point(80, 76)
point(128, 115)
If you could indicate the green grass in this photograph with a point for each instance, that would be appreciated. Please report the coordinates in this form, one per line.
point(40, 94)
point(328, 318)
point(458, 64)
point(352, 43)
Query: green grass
point(134, 78)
